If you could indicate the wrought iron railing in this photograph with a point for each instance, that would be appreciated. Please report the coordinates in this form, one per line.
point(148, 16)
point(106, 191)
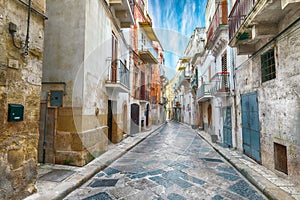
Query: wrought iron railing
point(204, 90)
point(238, 13)
point(146, 46)
point(220, 83)
point(144, 93)
point(118, 73)
point(219, 18)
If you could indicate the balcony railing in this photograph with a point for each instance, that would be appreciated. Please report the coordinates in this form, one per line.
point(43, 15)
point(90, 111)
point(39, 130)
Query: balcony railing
point(204, 92)
point(220, 83)
point(147, 52)
point(141, 5)
point(238, 13)
point(144, 94)
point(219, 18)
point(118, 74)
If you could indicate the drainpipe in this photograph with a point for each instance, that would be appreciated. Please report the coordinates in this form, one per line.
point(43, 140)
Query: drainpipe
point(234, 96)
point(45, 129)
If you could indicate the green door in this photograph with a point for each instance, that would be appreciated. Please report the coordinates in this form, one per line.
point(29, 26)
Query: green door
point(227, 127)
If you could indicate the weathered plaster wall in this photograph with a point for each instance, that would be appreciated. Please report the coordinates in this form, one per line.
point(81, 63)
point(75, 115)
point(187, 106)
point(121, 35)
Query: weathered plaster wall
point(64, 33)
point(20, 83)
point(278, 101)
point(76, 56)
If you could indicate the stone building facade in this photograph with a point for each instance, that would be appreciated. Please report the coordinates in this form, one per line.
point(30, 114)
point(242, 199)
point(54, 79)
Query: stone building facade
point(85, 79)
point(145, 59)
point(267, 83)
point(21, 48)
point(215, 75)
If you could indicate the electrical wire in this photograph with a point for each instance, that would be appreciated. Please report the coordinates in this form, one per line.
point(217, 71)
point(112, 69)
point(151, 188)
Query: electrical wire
point(26, 47)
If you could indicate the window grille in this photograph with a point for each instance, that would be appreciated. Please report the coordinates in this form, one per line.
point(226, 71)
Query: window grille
point(268, 70)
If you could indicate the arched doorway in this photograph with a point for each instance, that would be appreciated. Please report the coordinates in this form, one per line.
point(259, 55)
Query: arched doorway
point(135, 118)
point(124, 119)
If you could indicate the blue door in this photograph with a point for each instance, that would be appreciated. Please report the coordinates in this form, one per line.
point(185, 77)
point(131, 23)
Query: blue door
point(227, 127)
point(250, 126)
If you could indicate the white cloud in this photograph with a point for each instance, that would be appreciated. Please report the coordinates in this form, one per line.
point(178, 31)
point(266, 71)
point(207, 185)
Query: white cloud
point(174, 22)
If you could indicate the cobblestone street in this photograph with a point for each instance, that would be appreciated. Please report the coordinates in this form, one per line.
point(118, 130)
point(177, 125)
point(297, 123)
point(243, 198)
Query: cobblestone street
point(173, 163)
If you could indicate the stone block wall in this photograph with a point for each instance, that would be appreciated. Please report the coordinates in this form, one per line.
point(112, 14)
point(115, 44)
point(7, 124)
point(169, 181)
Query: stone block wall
point(278, 102)
point(20, 83)
point(73, 143)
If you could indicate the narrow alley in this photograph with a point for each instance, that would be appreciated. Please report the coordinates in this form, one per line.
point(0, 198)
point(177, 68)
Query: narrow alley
point(172, 163)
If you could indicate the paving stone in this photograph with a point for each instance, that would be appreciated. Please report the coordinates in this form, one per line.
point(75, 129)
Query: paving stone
point(174, 196)
point(103, 182)
point(217, 197)
point(161, 181)
point(229, 177)
point(136, 176)
point(179, 166)
point(145, 194)
point(100, 196)
point(182, 183)
point(198, 181)
point(110, 171)
point(156, 172)
point(142, 184)
point(122, 192)
point(175, 174)
point(212, 160)
point(227, 169)
point(242, 188)
point(101, 174)
point(136, 171)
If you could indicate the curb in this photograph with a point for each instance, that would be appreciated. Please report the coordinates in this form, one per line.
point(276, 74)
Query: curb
point(88, 171)
point(270, 190)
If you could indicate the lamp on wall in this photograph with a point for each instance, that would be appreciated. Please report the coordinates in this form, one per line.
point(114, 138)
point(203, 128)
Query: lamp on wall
point(13, 29)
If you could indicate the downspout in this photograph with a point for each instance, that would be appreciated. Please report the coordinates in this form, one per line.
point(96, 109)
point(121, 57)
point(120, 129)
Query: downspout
point(234, 97)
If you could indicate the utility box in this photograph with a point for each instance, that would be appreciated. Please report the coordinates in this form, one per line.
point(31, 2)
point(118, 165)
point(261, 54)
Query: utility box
point(56, 98)
point(15, 112)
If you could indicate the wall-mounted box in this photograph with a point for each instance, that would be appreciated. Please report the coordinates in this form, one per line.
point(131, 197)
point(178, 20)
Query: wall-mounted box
point(56, 98)
point(15, 112)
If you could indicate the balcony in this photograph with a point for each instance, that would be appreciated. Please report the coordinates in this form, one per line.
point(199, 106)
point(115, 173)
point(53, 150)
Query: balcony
point(184, 79)
point(253, 20)
point(220, 84)
point(141, 5)
point(123, 12)
point(144, 94)
point(147, 52)
point(204, 92)
point(238, 14)
point(218, 23)
point(117, 77)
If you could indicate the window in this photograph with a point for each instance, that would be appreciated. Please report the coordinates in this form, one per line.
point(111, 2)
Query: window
point(224, 77)
point(224, 62)
point(268, 71)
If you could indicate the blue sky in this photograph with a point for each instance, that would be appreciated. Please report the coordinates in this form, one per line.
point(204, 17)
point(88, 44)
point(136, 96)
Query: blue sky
point(174, 22)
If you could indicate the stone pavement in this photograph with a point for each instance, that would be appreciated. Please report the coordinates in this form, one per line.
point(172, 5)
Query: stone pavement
point(273, 186)
point(68, 178)
point(173, 163)
point(57, 181)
